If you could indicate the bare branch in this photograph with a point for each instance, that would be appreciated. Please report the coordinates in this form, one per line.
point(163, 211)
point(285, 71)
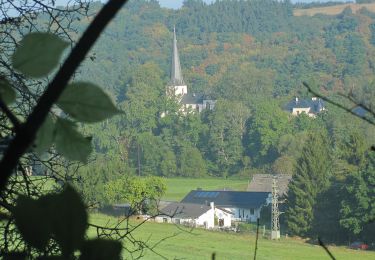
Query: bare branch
point(27, 132)
point(10, 115)
point(338, 104)
point(326, 249)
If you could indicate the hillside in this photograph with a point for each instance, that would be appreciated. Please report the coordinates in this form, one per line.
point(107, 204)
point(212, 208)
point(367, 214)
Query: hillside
point(252, 57)
point(200, 244)
point(333, 10)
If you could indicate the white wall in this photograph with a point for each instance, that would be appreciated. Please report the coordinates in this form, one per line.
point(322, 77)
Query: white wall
point(180, 90)
point(241, 214)
point(298, 111)
point(207, 219)
point(227, 217)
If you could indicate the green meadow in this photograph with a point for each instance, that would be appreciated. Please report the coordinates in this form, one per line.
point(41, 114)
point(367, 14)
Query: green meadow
point(200, 244)
point(177, 188)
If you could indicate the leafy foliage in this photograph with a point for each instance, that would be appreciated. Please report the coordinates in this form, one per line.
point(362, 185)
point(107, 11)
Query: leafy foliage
point(70, 142)
point(62, 217)
point(358, 205)
point(86, 102)
point(7, 93)
point(38, 54)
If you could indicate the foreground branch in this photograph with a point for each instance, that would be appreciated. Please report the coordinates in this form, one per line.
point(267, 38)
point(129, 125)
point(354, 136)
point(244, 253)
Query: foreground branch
point(367, 109)
point(28, 130)
point(339, 105)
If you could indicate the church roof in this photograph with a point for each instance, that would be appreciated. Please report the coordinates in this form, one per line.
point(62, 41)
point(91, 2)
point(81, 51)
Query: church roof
point(192, 99)
point(176, 74)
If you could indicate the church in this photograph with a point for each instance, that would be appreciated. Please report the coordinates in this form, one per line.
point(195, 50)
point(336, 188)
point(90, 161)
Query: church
point(178, 90)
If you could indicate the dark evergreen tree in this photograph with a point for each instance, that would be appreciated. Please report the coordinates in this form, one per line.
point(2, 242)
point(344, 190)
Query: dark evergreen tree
point(358, 205)
point(326, 223)
point(312, 177)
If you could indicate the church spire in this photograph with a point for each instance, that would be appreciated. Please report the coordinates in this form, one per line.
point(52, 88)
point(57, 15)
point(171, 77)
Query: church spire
point(176, 75)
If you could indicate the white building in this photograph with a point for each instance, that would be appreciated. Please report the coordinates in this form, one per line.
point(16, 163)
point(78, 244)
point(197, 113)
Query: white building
point(244, 206)
point(306, 106)
point(177, 88)
point(195, 215)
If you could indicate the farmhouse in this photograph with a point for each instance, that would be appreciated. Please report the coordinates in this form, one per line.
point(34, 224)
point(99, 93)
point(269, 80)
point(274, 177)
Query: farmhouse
point(310, 107)
point(245, 206)
point(195, 215)
point(263, 183)
point(178, 90)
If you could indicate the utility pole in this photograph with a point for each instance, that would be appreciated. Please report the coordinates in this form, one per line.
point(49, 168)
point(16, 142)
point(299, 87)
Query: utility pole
point(275, 213)
point(139, 160)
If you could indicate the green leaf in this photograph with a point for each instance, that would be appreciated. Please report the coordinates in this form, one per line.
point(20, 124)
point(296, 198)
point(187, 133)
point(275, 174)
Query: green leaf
point(70, 143)
point(7, 93)
point(38, 54)
point(70, 221)
point(87, 102)
point(44, 137)
point(101, 249)
point(31, 217)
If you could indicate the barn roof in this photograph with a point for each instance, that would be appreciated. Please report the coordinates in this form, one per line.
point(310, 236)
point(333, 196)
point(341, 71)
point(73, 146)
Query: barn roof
point(227, 199)
point(184, 210)
point(263, 182)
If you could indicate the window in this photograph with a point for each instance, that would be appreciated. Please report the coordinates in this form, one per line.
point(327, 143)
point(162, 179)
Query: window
point(252, 211)
point(177, 221)
point(165, 220)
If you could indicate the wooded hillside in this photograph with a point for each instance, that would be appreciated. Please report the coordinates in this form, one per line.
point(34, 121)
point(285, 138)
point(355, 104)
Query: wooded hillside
point(252, 56)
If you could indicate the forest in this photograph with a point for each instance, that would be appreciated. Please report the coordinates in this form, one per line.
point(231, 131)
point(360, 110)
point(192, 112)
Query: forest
point(252, 57)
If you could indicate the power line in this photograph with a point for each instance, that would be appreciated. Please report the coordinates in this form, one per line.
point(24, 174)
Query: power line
point(275, 213)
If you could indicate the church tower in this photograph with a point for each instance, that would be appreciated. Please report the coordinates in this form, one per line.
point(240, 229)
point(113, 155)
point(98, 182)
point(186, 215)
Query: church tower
point(176, 87)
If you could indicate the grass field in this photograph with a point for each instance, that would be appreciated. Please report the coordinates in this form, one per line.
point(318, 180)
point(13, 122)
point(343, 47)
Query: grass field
point(333, 10)
point(177, 188)
point(200, 244)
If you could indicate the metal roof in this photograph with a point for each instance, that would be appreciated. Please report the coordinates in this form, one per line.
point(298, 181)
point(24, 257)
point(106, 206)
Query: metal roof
point(263, 183)
point(227, 199)
point(176, 74)
point(360, 111)
point(185, 210)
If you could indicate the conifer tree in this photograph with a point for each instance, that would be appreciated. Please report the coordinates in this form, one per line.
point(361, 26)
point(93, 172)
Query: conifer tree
point(358, 206)
point(311, 178)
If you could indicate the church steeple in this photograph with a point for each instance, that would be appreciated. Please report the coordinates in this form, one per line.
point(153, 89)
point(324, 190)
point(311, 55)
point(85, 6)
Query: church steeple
point(176, 75)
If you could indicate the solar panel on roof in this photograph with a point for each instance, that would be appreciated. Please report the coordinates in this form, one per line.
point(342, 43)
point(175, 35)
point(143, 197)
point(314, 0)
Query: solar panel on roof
point(198, 194)
point(206, 194)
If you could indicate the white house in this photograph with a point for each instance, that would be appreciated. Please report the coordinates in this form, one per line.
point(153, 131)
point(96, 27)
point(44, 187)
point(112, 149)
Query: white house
point(310, 107)
point(195, 215)
point(244, 206)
